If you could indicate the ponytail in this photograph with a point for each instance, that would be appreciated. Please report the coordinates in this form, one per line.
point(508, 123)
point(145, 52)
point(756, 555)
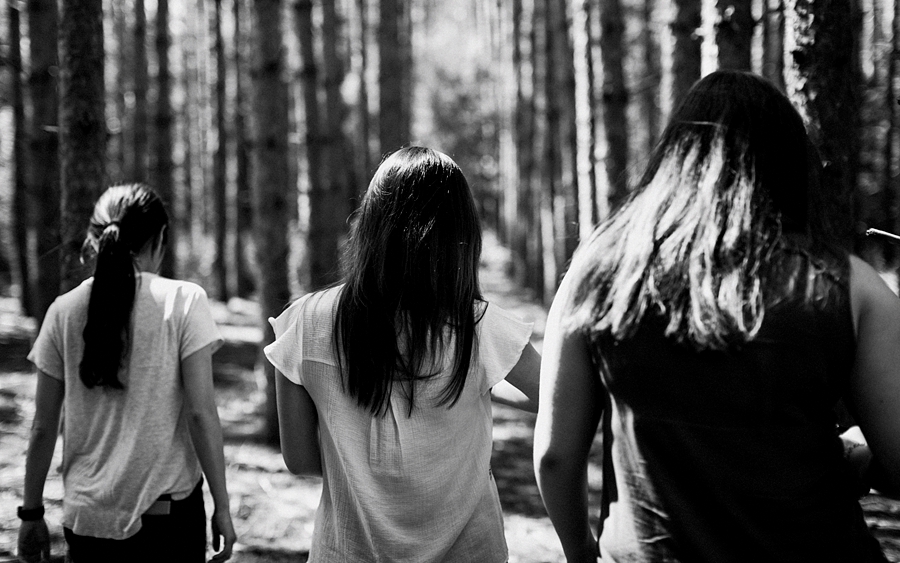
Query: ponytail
point(125, 219)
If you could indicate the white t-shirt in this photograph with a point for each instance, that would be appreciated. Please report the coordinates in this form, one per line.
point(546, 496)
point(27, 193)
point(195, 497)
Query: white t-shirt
point(396, 487)
point(122, 449)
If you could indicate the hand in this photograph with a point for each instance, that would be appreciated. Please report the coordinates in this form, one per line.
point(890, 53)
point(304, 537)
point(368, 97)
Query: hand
point(223, 529)
point(34, 541)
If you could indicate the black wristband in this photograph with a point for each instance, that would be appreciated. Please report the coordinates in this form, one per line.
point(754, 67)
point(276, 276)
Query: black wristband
point(30, 514)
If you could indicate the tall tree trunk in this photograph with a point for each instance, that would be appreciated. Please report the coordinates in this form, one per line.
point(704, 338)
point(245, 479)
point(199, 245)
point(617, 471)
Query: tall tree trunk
point(546, 185)
point(535, 275)
point(687, 40)
point(16, 250)
point(615, 100)
point(562, 78)
point(821, 77)
point(365, 151)
point(391, 114)
point(82, 127)
point(773, 42)
point(341, 178)
point(43, 151)
point(245, 283)
point(219, 187)
point(188, 138)
point(163, 181)
point(587, 109)
point(319, 209)
point(115, 91)
point(649, 91)
point(889, 189)
point(734, 33)
point(141, 123)
point(271, 181)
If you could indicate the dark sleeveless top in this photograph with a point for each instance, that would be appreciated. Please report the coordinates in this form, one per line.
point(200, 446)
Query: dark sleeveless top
point(728, 456)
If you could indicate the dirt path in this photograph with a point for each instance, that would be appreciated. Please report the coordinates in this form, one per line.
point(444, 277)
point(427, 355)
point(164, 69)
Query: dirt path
point(273, 509)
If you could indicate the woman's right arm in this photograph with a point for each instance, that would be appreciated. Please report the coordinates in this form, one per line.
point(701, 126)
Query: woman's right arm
point(298, 423)
point(206, 435)
point(874, 394)
point(34, 539)
point(568, 414)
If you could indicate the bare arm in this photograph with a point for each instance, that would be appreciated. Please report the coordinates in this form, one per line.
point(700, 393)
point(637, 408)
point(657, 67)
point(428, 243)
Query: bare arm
point(521, 387)
point(298, 423)
point(206, 435)
point(875, 384)
point(568, 415)
point(34, 539)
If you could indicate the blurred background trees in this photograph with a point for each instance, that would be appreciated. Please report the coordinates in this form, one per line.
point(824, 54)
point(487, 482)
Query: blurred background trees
point(260, 122)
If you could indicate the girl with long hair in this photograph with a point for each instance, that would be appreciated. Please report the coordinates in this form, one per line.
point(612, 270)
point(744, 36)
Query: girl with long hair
point(385, 380)
point(709, 329)
point(129, 355)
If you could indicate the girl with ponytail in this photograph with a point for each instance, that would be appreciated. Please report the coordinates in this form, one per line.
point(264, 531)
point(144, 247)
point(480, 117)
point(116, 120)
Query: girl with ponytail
point(128, 353)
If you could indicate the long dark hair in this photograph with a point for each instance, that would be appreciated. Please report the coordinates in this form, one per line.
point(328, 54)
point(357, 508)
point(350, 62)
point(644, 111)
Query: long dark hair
point(410, 272)
point(730, 176)
point(125, 219)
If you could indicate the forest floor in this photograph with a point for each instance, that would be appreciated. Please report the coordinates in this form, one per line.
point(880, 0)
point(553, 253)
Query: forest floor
point(274, 510)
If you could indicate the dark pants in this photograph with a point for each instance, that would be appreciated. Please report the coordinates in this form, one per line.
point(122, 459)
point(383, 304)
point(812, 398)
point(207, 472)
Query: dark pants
point(177, 537)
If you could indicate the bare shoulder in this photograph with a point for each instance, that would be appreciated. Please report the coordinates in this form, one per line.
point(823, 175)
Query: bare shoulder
point(869, 293)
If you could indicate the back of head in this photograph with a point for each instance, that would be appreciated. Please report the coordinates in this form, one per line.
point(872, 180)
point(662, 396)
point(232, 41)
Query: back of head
point(729, 176)
point(411, 269)
point(126, 219)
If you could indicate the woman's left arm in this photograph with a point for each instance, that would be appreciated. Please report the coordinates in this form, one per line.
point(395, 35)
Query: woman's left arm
point(34, 539)
point(298, 423)
point(568, 415)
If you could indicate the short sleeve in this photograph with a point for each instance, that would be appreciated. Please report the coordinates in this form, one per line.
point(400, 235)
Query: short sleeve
point(502, 338)
point(200, 329)
point(286, 352)
point(46, 354)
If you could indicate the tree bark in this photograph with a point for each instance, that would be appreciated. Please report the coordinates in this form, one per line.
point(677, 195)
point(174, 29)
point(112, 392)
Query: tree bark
point(43, 152)
point(271, 179)
point(586, 117)
point(162, 166)
point(245, 283)
point(16, 249)
point(773, 42)
point(82, 127)
point(391, 119)
point(734, 33)
point(615, 100)
point(141, 123)
point(687, 40)
point(821, 74)
point(219, 187)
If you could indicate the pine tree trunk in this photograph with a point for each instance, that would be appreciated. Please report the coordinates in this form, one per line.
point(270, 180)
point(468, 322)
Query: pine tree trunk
point(141, 124)
point(271, 179)
point(163, 181)
point(245, 283)
point(821, 75)
point(562, 74)
point(363, 146)
point(115, 91)
point(341, 178)
point(82, 127)
point(734, 33)
point(685, 48)
point(43, 152)
point(615, 100)
point(219, 187)
point(16, 250)
point(391, 114)
point(586, 116)
point(773, 42)
point(649, 91)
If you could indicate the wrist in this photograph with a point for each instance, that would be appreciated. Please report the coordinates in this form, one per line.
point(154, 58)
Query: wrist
point(30, 514)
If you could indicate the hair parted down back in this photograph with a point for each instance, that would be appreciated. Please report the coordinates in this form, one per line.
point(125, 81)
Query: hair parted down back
point(411, 278)
point(125, 219)
point(730, 176)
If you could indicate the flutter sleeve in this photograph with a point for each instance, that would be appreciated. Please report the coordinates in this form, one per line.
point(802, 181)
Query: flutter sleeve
point(47, 354)
point(502, 337)
point(286, 352)
point(200, 329)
